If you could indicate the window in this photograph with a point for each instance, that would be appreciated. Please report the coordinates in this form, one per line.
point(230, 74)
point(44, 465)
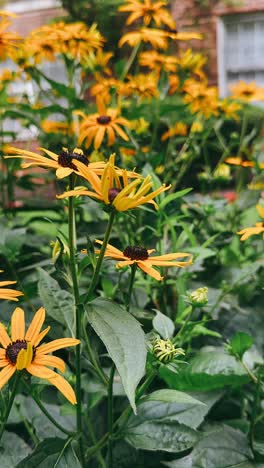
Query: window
point(240, 50)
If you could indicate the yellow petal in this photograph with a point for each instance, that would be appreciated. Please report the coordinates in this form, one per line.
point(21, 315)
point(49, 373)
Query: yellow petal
point(56, 344)
point(18, 324)
point(50, 361)
point(64, 387)
point(4, 362)
point(150, 271)
point(35, 326)
point(6, 374)
point(40, 337)
point(4, 338)
point(24, 357)
point(62, 172)
point(40, 371)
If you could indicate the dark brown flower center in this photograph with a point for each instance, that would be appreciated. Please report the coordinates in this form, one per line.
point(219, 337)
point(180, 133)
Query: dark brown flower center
point(112, 193)
point(66, 157)
point(103, 119)
point(136, 253)
point(14, 348)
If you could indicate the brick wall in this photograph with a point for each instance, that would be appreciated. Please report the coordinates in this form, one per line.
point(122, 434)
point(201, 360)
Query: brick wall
point(25, 22)
point(189, 15)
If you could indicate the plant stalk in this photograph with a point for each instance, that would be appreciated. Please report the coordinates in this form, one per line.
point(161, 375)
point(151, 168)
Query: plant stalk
point(10, 402)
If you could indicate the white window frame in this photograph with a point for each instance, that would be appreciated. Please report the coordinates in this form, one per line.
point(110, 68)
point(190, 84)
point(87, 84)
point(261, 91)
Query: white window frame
point(221, 44)
point(25, 6)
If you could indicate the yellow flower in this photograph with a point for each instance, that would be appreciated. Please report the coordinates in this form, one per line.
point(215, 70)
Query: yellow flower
point(97, 61)
point(8, 40)
point(247, 91)
point(184, 35)
point(165, 350)
point(141, 257)
point(148, 11)
point(180, 128)
point(174, 82)
point(41, 46)
point(192, 62)
point(222, 172)
point(254, 230)
point(9, 294)
point(230, 108)
point(115, 189)
point(50, 126)
point(139, 125)
point(155, 61)
point(156, 37)
point(197, 127)
point(102, 88)
point(22, 351)
point(143, 85)
point(64, 163)
point(96, 126)
point(238, 161)
point(201, 98)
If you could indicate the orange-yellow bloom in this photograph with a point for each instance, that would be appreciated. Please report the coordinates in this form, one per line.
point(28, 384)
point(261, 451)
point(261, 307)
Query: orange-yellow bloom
point(9, 294)
point(156, 37)
point(53, 126)
point(155, 61)
point(180, 128)
point(8, 40)
point(115, 189)
point(143, 85)
point(149, 11)
point(201, 98)
point(253, 230)
point(64, 163)
point(22, 351)
point(141, 256)
point(106, 122)
point(247, 91)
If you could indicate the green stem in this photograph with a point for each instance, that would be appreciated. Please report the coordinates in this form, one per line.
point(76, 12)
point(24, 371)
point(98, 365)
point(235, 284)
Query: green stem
point(181, 330)
point(100, 444)
point(44, 411)
point(10, 402)
point(110, 416)
point(93, 359)
point(130, 61)
point(131, 283)
point(100, 258)
point(254, 412)
point(78, 311)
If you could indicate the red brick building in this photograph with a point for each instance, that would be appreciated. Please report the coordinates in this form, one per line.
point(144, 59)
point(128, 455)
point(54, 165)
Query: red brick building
point(233, 38)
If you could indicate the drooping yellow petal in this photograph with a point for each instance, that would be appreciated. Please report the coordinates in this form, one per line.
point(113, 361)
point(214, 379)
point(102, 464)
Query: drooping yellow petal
point(18, 324)
point(150, 271)
point(40, 371)
point(40, 336)
point(62, 172)
point(64, 387)
point(4, 338)
point(56, 344)
point(6, 374)
point(24, 357)
point(35, 326)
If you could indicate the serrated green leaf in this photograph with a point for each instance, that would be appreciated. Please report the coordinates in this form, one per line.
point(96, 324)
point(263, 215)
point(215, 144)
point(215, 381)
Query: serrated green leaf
point(124, 340)
point(240, 343)
point(161, 435)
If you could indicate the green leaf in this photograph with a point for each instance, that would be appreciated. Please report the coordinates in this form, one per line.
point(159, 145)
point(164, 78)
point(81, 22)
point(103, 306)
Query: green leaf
point(211, 368)
point(12, 450)
point(169, 436)
point(173, 196)
point(52, 452)
point(221, 446)
point(240, 343)
point(58, 303)
point(124, 340)
point(163, 325)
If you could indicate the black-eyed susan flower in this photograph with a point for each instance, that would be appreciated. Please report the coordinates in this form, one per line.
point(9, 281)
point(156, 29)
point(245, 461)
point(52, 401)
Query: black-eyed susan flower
point(247, 91)
point(106, 122)
point(149, 11)
point(155, 61)
point(115, 189)
point(142, 257)
point(156, 37)
point(180, 129)
point(143, 85)
point(22, 351)
point(7, 293)
point(63, 163)
point(253, 230)
point(8, 40)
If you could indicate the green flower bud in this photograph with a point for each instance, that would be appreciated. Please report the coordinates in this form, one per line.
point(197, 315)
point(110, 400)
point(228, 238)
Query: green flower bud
point(198, 298)
point(165, 351)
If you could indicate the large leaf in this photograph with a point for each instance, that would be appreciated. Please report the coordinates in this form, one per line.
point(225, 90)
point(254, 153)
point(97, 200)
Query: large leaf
point(163, 325)
point(169, 436)
point(172, 405)
point(124, 340)
point(221, 447)
point(58, 303)
point(211, 368)
point(52, 452)
point(12, 450)
point(168, 405)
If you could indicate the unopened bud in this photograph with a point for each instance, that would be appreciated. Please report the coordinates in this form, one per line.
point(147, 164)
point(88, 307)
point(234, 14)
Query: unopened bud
point(198, 298)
